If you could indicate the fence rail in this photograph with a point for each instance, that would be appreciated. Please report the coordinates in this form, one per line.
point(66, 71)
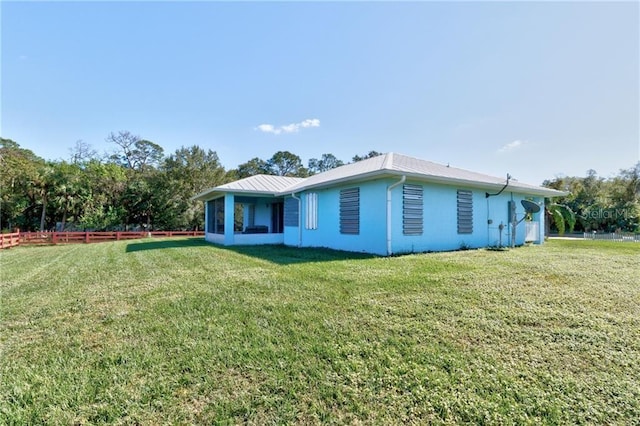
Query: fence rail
point(35, 238)
point(9, 240)
point(612, 236)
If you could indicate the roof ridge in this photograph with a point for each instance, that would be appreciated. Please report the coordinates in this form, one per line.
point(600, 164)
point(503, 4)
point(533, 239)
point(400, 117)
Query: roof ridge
point(388, 161)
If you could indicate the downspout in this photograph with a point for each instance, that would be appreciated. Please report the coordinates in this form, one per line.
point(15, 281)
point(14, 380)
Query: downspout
point(389, 188)
point(293, 195)
point(514, 222)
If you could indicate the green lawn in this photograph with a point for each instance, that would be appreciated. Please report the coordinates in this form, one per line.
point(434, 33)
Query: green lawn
point(178, 331)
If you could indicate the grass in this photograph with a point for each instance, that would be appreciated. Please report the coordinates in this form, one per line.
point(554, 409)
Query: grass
point(177, 331)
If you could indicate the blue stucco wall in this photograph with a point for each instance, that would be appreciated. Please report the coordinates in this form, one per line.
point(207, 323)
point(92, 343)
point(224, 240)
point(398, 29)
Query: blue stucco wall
point(439, 227)
point(440, 220)
point(263, 211)
point(372, 236)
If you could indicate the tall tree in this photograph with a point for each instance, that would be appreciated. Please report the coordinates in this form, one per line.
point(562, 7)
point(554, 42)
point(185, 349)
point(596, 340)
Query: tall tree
point(68, 191)
point(18, 199)
point(285, 163)
point(125, 140)
point(370, 154)
point(82, 152)
point(103, 206)
point(186, 173)
point(135, 153)
point(326, 162)
point(43, 183)
point(255, 166)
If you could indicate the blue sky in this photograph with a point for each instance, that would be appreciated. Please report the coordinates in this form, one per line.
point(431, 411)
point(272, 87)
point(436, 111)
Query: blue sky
point(532, 89)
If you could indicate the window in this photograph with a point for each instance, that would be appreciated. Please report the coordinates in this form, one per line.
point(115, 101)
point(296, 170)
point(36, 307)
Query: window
point(215, 216)
point(412, 209)
point(465, 212)
point(350, 211)
point(311, 218)
point(291, 210)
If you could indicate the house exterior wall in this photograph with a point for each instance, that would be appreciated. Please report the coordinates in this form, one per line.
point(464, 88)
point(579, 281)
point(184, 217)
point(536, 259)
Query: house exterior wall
point(258, 239)
point(440, 232)
point(372, 235)
point(262, 211)
point(214, 238)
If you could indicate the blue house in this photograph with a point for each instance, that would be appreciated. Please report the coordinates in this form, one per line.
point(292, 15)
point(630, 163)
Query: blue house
point(383, 205)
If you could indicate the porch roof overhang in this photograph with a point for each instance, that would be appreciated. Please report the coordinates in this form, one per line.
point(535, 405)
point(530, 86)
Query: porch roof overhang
point(264, 185)
point(214, 193)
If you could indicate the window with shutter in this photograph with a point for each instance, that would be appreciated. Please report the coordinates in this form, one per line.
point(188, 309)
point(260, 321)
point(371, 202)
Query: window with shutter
point(291, 210)
point(350, 211)
point(465, 212)
point(412, 209)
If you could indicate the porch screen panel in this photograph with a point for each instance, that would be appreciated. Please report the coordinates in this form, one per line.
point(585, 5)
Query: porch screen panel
point(211, 216)
point(350, 211)
point(219, 214)
point(311, 216)
point(215, 216)
point(412, 209)
point(291, 210)
point(465, 212)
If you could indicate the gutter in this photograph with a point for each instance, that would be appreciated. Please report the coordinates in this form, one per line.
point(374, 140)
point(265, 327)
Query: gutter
point(389, 188)
point(524, 189)
point(293, 195)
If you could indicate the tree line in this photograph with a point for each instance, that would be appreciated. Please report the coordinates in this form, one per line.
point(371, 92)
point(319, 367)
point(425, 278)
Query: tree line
point(595, 203)
point(136, 186)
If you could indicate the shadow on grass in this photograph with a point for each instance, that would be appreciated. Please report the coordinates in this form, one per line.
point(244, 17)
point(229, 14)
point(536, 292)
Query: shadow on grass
point(278, 254)
point(284, 255)
point(151, 244)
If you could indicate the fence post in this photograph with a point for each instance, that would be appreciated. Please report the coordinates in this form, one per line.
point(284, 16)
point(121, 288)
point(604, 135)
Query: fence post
point(86, 237)
point(54, 238)
point(118, 236)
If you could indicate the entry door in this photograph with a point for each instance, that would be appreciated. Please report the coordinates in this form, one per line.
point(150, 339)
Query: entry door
point(277, 218)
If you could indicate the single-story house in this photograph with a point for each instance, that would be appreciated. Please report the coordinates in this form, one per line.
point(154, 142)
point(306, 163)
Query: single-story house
point(384, 205)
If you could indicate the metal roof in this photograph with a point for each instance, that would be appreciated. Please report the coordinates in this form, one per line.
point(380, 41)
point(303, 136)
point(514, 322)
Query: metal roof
point(398, 164)
point(390, 164)
point(257, 184)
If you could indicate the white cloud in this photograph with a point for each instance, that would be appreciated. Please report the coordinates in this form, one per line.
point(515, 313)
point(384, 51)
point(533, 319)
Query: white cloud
point(511, 146)
point(267, 128)
point(314, 122)
point(289, 128)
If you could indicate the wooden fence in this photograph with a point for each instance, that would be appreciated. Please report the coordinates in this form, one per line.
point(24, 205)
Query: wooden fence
point(9, 240)
point(612, 236)
point(34, 238)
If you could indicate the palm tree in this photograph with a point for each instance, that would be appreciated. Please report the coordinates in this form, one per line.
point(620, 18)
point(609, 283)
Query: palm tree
point(560, 215)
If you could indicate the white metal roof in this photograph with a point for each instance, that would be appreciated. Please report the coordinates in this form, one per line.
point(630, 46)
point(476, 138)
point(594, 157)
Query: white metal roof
point(258, 184)
point(398, 164)
point(390, 164)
